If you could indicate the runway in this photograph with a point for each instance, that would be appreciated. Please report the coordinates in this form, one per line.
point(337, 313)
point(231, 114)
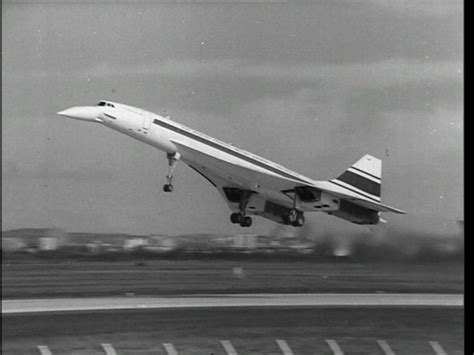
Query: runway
point(251, 330)
point(232, 301)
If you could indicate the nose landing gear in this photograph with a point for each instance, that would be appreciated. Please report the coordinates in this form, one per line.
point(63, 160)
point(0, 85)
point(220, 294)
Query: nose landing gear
point(173, 158)
point(168, 188)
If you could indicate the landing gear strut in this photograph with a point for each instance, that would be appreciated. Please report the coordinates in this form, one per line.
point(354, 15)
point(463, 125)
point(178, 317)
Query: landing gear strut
point(240, 217)
point(294, 216)
point(173, 158)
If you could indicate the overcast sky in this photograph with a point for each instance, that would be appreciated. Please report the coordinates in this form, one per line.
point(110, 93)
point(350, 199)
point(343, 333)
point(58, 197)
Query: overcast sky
point(313, 86)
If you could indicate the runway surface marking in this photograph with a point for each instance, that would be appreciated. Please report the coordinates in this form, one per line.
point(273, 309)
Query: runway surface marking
point(233, 300)
point(284, 347)
point(44, 350)
point(108, 349)
point(170, 350)
point(334, 347)
point(387, 350)
point(437, 348)
point(228, 347)
point(282, 344)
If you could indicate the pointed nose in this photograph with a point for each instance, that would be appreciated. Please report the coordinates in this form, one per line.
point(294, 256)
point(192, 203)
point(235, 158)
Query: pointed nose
point(84, 113)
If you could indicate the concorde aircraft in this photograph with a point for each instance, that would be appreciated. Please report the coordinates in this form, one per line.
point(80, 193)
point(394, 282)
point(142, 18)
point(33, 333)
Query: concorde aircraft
point(251, 185)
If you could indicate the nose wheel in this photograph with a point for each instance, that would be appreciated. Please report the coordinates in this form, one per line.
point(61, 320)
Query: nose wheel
point(173, 159)
point(168, 188)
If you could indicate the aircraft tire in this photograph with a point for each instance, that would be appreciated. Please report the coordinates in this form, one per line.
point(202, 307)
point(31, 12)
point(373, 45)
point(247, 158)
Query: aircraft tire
point(290, 217)
point(234, 218)
point(167, 188)
point(299, 221)
point(246, 222)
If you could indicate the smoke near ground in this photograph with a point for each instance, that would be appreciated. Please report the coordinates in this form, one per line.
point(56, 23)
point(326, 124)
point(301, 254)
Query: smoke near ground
point(406, 237)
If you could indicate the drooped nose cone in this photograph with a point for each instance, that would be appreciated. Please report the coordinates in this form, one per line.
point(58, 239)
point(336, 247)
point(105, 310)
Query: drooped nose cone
point(84, 113)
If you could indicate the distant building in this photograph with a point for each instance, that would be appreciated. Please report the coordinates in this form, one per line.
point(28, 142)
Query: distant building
point(94, 247)
point(245, 241)
point(162, 244)
point(13, 244)
point(134, 243)
point(47, 243)
point(36, 239)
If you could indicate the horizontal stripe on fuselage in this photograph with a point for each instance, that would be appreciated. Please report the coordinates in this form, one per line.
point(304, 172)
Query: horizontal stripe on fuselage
point(221, 146)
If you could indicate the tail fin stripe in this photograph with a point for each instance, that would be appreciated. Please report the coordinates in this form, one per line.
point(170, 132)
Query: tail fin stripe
point(360, 182)
point(335, 182)
point(369, 177)
point(366, 173)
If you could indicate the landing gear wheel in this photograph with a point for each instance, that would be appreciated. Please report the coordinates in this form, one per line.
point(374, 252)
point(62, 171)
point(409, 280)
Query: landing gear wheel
point(236, 218)
point(167, 188)
point(246, 221)
point(240, 217)
point(299, 221)
point(294, 218)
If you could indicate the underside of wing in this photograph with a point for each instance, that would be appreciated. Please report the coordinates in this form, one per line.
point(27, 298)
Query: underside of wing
point(274, 196)
point(354, 197)
point(258, 203)
point(268, 195)
point(248, 177)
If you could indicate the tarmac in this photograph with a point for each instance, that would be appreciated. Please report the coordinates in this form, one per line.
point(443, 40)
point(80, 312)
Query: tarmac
point(232, 300)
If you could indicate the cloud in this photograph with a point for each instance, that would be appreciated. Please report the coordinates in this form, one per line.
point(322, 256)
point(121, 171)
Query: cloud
point(422, 7)
point(12, 170)
point(371, 75)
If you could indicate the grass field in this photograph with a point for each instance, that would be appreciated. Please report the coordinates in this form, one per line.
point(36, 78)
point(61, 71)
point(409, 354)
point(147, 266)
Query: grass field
point(36, 278)
point(251, 331)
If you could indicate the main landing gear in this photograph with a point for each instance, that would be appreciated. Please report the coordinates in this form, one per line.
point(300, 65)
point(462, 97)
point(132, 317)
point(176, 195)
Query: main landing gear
point(173, 158)
point(240, 217)
point(294, 216)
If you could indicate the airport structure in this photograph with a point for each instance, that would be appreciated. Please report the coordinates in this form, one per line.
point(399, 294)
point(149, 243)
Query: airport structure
point(40, 240)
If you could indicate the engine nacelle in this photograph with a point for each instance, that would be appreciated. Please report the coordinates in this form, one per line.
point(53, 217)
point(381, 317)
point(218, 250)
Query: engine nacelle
point(355, 213)
point(269, 210)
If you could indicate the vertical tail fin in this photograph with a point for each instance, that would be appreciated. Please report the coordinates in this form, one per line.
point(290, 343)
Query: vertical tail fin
point(364, 176)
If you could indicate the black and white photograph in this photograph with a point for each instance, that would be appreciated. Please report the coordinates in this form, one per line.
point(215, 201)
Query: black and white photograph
point(223, 177)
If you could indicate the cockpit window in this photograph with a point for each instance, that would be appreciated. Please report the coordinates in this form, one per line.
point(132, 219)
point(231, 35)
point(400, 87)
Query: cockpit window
point(104, 103)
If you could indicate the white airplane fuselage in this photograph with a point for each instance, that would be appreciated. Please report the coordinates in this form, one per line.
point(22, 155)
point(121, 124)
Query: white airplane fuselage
point(161, 133)
point(251, 185)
